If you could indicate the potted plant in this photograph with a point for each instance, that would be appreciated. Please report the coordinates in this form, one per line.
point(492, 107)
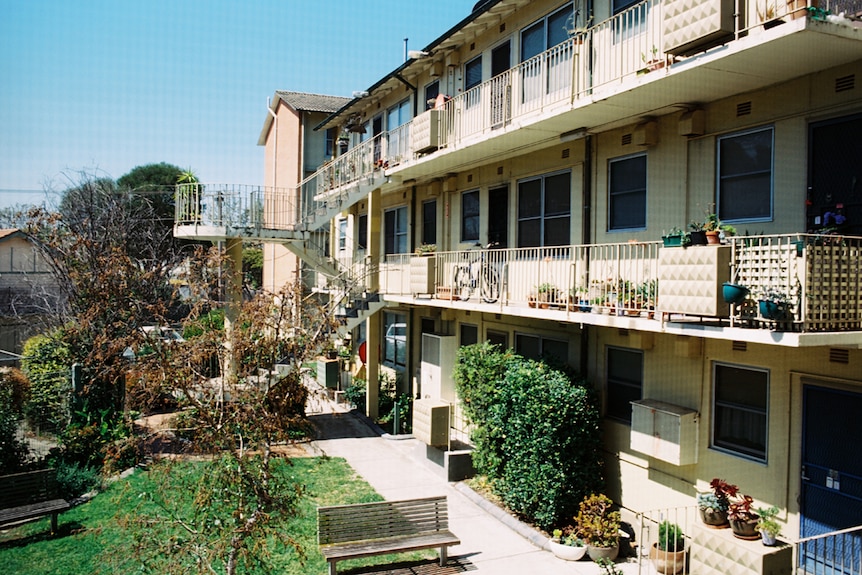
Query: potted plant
point(674, 238)
point(547, 294)
point(579, 300)
point(425, 249)
point(743, 521)
point(734, 293)
point(768, 526)
point(567, 546)
point(713, 505)
point(697, 235)
point(343, 142)
point(773, 305)
point(599, 526)
point(668, 553)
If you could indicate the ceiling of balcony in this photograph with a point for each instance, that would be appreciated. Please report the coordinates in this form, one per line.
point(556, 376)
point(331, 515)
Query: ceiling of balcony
point(765, 58)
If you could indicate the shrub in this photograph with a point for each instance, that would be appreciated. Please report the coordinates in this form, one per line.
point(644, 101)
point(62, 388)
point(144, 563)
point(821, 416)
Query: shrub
point(13, 453)
point(597, 523)
point(355, 394)
point(74, 480)
point(537, 432)
point(670, 537)
point(47, 364)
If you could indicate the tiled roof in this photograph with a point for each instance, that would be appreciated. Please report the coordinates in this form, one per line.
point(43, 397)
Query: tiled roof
point(303, 102)
point(6, 232)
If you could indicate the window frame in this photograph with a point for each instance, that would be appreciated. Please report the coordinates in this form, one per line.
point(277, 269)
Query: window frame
point(543, 217)
point(618, 384)
point(397, 235)
point(615, 195)
point(362, 231)
point(342, 235)
point(429, 222)
point(471, 220)
point(391, 318)
point(728, 447)
point(541, 343)
point(720, 178)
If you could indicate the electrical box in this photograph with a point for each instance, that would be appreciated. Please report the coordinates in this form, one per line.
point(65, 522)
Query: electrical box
point(664, 431)
point(327, 373)
point(431, 422)
point(438, 363)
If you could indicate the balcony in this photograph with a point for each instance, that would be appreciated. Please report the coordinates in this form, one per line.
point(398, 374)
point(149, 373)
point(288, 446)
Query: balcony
point(637, 286)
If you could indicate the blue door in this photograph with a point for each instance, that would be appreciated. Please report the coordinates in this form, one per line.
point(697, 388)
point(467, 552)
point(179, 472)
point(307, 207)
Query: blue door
point(831, 479)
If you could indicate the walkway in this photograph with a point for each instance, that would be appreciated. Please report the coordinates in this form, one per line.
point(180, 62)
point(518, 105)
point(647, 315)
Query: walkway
point(397, 470)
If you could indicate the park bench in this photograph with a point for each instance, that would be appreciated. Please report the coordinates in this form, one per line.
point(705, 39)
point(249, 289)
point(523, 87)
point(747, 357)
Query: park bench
point(30, 495)
point(364, 529)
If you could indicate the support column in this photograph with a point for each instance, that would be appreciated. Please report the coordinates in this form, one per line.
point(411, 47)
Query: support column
point(233, 295)
point(372, 325)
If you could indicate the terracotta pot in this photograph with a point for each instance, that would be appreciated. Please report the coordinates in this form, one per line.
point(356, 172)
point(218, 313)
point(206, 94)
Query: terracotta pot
point(712, 238)
point(567, 552)
point(667, 562)
point(713, 517)
point(745, 529)
point(603, 552)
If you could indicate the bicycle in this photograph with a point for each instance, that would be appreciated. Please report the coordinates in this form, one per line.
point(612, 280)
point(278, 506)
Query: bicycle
point(475, 272)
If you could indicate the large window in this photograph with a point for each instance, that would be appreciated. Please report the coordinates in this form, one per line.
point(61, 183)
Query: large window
point(429, 222)
point(470, 216)
point(740, 410)
point(632, 18)
point(537, 347)
point(625, 382)
point(469, 334)
point(395, 231)
point(342, 234)
point(472, 78)
point(745, 176)
point(431, 92)
point(544, 211)
point(395, 340)
point(546, 33)
point(627, 193)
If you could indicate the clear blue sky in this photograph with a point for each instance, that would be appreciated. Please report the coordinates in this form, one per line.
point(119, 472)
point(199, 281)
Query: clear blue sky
point(107, 85)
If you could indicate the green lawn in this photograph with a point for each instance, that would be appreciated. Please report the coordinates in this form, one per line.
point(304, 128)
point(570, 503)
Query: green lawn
point(91, 539)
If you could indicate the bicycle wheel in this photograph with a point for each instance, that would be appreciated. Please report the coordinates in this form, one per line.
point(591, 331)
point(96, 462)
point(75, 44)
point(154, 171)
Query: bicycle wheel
point(490, 287)
point(463, 284)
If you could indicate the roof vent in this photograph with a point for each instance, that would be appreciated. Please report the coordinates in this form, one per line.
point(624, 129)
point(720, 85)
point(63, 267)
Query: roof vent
point(739, 346)
point(566, 153)
point(743, 109)
point(627, 139)
point(845, 83)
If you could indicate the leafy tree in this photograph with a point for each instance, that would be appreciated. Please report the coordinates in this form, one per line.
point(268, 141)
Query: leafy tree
point(14, 454)
point(47, 366)
point(252, 265)
point(241, 422)
point(155, 184)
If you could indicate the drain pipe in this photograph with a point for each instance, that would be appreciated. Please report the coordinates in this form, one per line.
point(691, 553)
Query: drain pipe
point(586, 238)
point(275, 145)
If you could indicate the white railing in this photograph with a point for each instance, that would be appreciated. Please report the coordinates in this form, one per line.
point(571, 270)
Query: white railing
point(670, 520)
point(236, 206)
point(835, 553)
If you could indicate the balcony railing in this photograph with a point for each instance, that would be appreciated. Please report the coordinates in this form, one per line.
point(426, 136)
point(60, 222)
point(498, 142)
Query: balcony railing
point(649, 522)
point(819, 277)
point(835, 553)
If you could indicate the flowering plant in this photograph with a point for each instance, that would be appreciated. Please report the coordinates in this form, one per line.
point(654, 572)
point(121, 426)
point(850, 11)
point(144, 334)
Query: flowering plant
point(719, 499)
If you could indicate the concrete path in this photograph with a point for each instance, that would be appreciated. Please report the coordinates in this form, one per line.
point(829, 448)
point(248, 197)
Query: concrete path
point(397, 470)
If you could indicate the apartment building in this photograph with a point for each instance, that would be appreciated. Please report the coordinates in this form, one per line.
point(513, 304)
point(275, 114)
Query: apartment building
point(536, 154)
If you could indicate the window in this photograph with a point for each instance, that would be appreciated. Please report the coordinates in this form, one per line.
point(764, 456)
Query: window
point(429, 222)
point(745, 176)
point(473, 73)
point(470, 216)
point(395, 340)
point(395, 231)
point(330, 142)
point(740, 410)
point(625, 382)
point(499, 338)
point(469, 334)
point(362, 232)
point(627, 190)
point(632, 22)
point(540, 348)
point(342, 234)
point(544, 211)
point(545, 34)
point(431, 92)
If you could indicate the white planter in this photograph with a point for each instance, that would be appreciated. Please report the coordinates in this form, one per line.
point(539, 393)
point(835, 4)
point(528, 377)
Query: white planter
point(567, 552)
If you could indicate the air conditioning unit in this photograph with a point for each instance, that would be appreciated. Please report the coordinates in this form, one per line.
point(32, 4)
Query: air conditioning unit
point(431, 422)
point(664, 431)
point(438, 362)
point(425, 132)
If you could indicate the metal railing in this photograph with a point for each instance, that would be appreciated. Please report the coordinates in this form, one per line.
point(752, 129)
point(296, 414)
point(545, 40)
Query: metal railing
point(226, 205)
point(835, 553)
point(669, 520)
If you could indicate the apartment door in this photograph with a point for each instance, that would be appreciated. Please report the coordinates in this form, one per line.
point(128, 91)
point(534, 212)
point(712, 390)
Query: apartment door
point(501, 85)
point(831, 477)
point(498, 216)
point(835, 178)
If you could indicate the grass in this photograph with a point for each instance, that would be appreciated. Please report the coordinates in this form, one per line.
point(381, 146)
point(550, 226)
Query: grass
point(92, 539)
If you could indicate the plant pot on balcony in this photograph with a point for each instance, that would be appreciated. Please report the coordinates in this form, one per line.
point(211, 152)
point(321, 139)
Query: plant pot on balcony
point(745, 529)
point(712, 238)
point(776, 311)
point(697, 237)
point(667, 562)
point(714, 518)
point(734, 293)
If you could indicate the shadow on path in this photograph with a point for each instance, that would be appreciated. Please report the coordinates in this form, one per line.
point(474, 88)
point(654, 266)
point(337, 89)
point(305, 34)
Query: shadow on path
point(340, 426)
point(427, 567)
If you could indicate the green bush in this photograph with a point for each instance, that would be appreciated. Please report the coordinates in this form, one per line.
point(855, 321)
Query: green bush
point(47, 364)
point(537, 432)
point(74, 480)
point(13, 453)
point(355, 394)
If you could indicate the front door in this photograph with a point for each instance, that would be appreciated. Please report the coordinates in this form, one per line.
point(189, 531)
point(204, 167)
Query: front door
point(831, 478)
point(501, 85)
point(835, 179)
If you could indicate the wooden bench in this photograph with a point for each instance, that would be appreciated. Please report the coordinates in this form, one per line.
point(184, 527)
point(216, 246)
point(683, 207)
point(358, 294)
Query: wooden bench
point(364, 529)
point(30, 495)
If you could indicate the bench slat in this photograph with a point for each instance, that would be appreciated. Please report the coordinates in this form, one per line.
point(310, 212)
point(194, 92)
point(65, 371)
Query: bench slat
point(385, 519)
point(379, 547)
point(32, 510)
point(30, 487)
